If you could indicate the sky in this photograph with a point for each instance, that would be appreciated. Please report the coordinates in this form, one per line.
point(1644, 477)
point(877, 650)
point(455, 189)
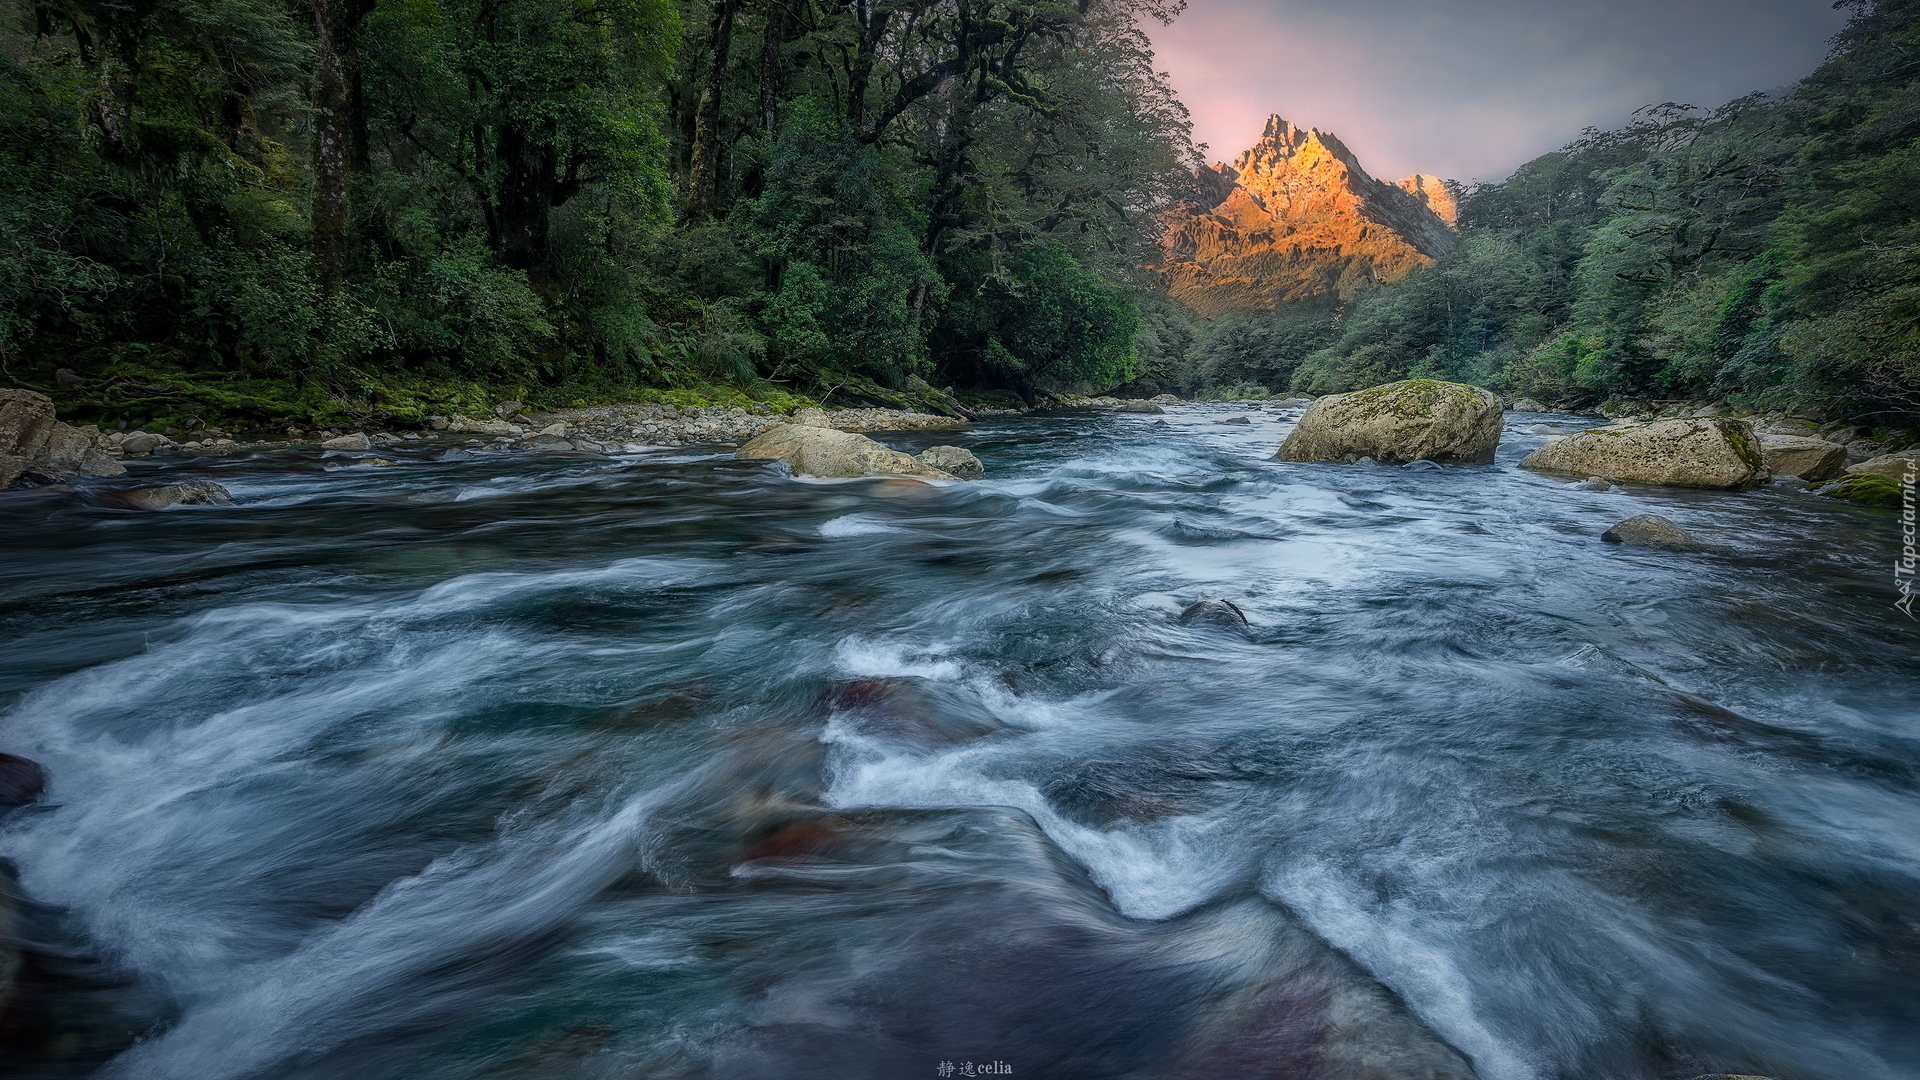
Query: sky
point(1470, 89)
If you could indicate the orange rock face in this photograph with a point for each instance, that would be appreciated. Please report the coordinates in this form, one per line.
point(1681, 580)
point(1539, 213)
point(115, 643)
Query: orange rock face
point(1295, 218)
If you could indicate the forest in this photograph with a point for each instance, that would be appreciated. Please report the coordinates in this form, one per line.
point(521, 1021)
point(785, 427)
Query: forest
point(262, 209)
point(386, 207)
point(1766, 251)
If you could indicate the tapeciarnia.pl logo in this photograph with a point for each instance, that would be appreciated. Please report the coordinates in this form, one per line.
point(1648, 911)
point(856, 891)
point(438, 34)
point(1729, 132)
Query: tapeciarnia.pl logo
point(1903, 568)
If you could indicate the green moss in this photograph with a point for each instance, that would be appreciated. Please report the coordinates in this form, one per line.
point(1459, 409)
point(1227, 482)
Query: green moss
point(1418, 396)
point(147, 389)
point(1736, 433)
point(1866, 488)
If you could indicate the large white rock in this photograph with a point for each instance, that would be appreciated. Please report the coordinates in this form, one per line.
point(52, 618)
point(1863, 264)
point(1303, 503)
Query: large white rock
point(1706, 452)
point(1404, 421)
point(1804, 457)
point(824, 452)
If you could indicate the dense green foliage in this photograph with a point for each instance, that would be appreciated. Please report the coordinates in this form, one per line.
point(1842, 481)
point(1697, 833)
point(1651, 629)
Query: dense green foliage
point(263, 206)
point(1767, 251)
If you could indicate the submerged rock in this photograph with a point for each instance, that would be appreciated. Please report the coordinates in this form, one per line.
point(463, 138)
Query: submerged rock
point(159, 497)
point(1706, 453)
point(1649, 530)
point(1399, 422)
point(21, 782)
point(1222, 614)
point(1804, 457)
point(824, 452)
point(952, 459)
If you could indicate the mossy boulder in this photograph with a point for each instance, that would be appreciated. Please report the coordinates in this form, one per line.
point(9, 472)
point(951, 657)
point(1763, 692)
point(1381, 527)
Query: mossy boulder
point(824, 452)
point(1868, 489)
point(1702, 452)
point(1419, 419)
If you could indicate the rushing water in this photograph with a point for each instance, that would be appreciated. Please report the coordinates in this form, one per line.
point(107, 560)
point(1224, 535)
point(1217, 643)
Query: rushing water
point(673, 766)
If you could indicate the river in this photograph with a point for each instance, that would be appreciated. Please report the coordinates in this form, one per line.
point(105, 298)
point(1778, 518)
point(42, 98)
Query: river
point(673, 766)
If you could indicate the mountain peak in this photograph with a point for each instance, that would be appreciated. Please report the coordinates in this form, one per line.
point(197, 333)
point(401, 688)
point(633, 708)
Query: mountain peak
point(1296, 216)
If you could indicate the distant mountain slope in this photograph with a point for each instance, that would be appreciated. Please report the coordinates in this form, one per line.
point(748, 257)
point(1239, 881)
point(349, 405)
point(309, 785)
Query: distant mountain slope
point(1295, 217)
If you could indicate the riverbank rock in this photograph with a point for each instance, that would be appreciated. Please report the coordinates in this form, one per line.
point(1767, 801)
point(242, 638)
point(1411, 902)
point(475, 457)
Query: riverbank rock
point(467, 425)
point(1404, 421)
point(36, 447)
point(863, 420)
point(952, 459)
point(1649, 530)
point(159, 497)
point(1867, 489)
point(1293, 403)
point(1803, 456)
point(356, 441)
point(21, 781)
point(138, 444)
point(1526, 405)
point(1703, 453)
point(1892, 466)
point(824, 452)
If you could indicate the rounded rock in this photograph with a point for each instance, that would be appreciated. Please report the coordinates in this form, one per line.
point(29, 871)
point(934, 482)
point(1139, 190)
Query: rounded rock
point(1648, 530)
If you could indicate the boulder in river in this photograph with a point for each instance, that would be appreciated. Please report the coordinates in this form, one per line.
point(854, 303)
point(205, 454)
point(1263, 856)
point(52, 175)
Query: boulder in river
point(824, 452)
point(159, 497)
point(1139, 407)
point(951, 459)
point(35, 445)
point(1707, 452)
point(1893, 466)
point(1399, 422)
point(1802, 456)
point(1238, 420)
point(1649, 530)
point(354, 441)
point(21, 781)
